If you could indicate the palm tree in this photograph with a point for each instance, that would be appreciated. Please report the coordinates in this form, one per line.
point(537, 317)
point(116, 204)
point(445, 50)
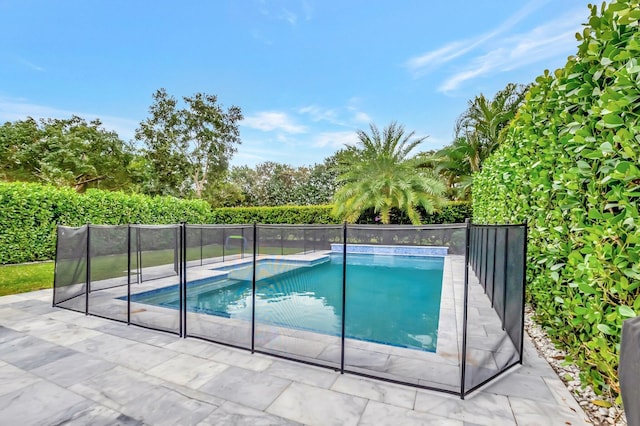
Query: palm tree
point(483, 122)
point(378, 173)
point(455, 164)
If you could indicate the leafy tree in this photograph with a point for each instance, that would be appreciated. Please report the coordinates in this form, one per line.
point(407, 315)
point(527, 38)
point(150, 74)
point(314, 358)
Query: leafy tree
point(276, 184)
point(190, 147)
point(64, 152)
point(379, 173)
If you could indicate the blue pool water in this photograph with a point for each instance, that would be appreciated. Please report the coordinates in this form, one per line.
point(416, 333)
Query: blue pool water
point(393, 300)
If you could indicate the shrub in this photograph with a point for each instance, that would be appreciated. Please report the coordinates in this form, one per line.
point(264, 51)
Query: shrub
point(569, 165)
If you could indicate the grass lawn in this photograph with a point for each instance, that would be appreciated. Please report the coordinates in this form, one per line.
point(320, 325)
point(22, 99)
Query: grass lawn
point(37, 276)
point(25, 277)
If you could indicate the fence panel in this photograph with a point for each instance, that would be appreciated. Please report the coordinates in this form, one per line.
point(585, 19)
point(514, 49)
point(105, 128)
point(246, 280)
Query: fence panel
point(494, 311)
point(70, 279)
point(219, 289)
point(298, 293)
point(400, 313)
point(108, 254)
point(155, 299)
point(514, 313)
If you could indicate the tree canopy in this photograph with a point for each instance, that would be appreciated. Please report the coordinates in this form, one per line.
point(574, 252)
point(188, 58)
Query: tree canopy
point(64, 152)
point(188, 148)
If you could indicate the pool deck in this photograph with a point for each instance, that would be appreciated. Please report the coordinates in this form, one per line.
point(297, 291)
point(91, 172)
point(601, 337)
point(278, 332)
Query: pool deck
point(58, 366)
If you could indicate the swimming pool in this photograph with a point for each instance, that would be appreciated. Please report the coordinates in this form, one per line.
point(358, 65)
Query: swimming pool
point(394, 300)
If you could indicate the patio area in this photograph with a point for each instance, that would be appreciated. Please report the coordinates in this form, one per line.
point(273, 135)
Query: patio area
point(58, 366)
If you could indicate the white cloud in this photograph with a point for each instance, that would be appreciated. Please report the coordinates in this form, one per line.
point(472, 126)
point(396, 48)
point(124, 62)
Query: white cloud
point(546, 41)
point(20, 109)
point(362, 117)
point(317, 113)
point(335, 139)
point(341, 116)
point(268, 121)
point(31, 65)
point(288, 16)
point(419, 65)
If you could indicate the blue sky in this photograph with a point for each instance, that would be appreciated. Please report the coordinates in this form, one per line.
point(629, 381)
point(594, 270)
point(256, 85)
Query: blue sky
point(306, 73)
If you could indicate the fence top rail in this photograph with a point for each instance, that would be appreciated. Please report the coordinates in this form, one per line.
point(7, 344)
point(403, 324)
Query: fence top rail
point(300, 226)
point(167, 226)
point(219, 226)
point(73, 228)
point(91, 225)
point(409, 227)
point(506, 225)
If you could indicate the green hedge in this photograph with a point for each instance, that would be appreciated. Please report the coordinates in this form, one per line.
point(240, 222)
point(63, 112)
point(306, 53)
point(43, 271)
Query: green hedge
point(282, 214)
point(570, 165)
point(30, 212)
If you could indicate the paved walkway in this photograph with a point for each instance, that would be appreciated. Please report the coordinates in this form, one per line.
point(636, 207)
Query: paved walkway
point(61, 367)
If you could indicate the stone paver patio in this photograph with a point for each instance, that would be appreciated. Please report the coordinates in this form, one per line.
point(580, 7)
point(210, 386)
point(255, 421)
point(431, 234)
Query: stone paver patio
point(61, 367)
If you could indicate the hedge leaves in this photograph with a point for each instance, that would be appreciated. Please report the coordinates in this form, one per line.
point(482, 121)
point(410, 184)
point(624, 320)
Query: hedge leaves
point(570, 166)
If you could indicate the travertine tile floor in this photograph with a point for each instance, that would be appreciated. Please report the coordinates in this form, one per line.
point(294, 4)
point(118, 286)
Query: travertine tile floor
point(61, 367)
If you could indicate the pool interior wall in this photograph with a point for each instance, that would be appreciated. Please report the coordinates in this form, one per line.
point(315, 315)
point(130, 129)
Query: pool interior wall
point(476, 324)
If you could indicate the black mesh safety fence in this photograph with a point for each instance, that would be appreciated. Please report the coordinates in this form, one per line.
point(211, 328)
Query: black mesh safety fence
point(403, 288)
point(434, 306)
point(494, 310)
point(218, 291)
point(155, 299)
point(108, 271)
point(70, 278)
point(298, 293)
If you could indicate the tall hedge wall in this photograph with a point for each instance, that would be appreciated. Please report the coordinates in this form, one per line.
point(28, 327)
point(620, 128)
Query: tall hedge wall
point(570, 166)
point(29, 213)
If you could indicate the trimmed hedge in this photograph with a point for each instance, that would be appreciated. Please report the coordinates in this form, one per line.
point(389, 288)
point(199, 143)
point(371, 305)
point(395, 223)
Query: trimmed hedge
point(30, 212)
point(453, 212)
point(569, 165)
point(281, 214)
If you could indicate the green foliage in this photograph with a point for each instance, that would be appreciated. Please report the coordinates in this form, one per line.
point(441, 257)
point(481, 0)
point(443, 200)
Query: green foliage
point(69, 152)
point(276, 184)
point(380, 174)
point(270, 215)
point(188, 148)
point(31, 211)
point(451, 212)
point(569, 165)
point(482, 124)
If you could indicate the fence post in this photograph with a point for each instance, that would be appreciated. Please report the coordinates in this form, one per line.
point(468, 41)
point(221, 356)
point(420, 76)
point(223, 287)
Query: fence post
point(55, 264)
point(88, 272)
point(464, 312)
point(344, 293)
point(524, 284)
point(253, 292)
point(128, 274)
point(184, 275)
